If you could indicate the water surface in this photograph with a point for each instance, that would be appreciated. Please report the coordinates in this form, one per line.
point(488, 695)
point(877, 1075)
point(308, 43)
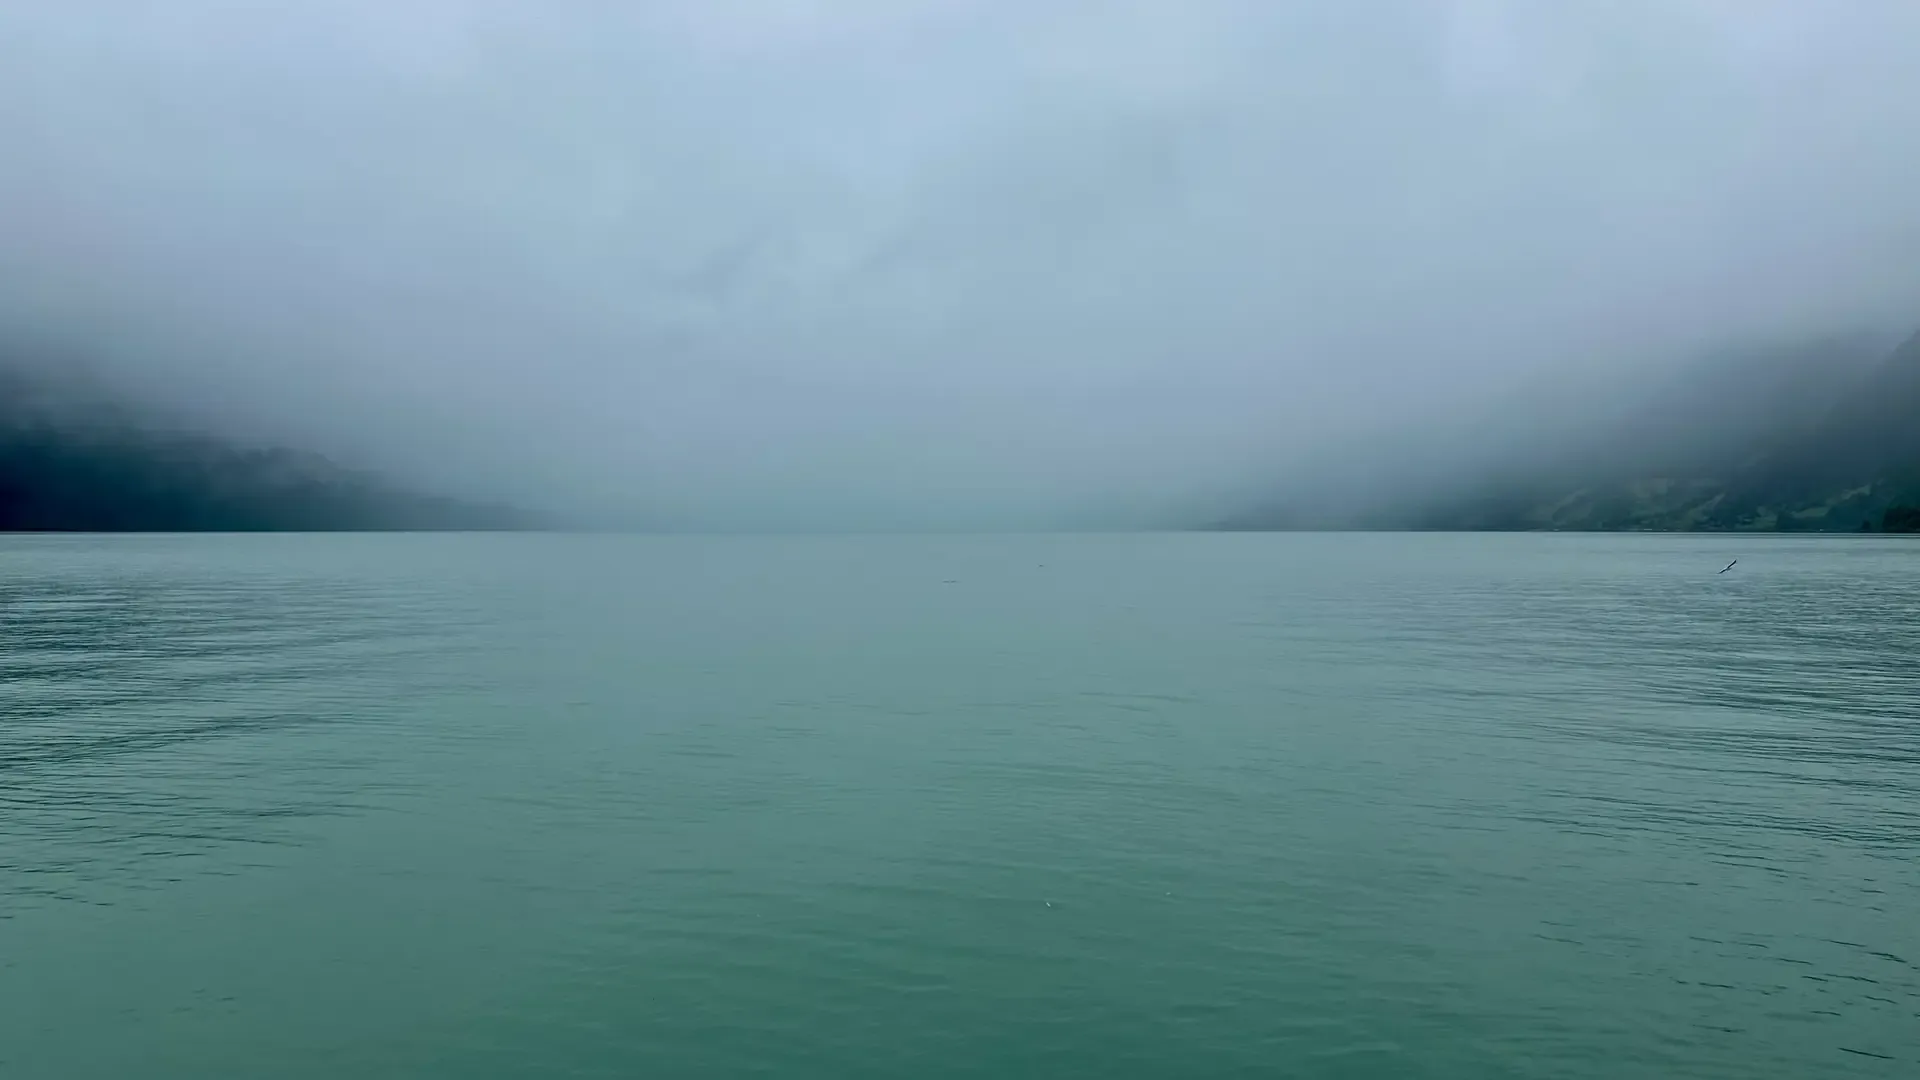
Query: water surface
point(1103, 806)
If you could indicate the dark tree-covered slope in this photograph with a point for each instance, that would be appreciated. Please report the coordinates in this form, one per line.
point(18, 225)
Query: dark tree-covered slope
point(1800, 439)
point(75, 464)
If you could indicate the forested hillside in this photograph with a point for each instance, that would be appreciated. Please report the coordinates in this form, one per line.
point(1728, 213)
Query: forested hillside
point(1817, 437)
point(73, 462)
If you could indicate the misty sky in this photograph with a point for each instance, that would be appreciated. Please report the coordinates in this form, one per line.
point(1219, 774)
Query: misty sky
point(931, 262)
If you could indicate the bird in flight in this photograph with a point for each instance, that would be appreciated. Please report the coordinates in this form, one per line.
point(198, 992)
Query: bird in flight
point(1728, 567)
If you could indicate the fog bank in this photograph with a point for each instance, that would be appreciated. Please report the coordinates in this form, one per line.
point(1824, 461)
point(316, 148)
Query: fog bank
point(932, 263)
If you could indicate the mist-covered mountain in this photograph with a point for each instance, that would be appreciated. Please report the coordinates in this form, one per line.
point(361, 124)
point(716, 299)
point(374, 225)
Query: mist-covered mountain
point(1816, 436)
point(76, 461)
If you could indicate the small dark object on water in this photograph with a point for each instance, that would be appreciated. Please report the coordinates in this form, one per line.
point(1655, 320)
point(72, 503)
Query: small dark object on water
point(1728, 567)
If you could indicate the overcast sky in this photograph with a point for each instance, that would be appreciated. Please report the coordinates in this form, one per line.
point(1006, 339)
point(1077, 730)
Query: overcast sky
point(946, 262)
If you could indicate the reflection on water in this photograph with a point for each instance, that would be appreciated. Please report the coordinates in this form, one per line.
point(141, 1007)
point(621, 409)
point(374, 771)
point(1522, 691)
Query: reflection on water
point(1316, 806)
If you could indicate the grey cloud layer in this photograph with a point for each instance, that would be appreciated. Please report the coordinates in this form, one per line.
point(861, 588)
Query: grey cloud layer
point(934, 261)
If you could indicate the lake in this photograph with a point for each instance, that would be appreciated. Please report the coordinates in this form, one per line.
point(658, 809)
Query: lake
point(1014, 806)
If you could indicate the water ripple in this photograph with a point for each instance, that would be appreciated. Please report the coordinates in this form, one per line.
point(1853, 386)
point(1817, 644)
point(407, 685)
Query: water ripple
point(1175, 806)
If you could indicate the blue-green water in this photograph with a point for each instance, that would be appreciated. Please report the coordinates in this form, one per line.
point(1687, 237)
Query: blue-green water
point(1101, 806)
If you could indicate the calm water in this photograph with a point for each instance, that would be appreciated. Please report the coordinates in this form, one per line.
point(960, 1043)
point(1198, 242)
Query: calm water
point(1149, 806)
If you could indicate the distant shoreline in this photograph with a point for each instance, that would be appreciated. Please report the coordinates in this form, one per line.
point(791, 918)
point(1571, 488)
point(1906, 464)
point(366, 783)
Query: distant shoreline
point(561, 530)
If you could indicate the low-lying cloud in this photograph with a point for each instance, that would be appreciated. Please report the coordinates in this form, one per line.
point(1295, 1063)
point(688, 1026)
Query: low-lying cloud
point(931, 262)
